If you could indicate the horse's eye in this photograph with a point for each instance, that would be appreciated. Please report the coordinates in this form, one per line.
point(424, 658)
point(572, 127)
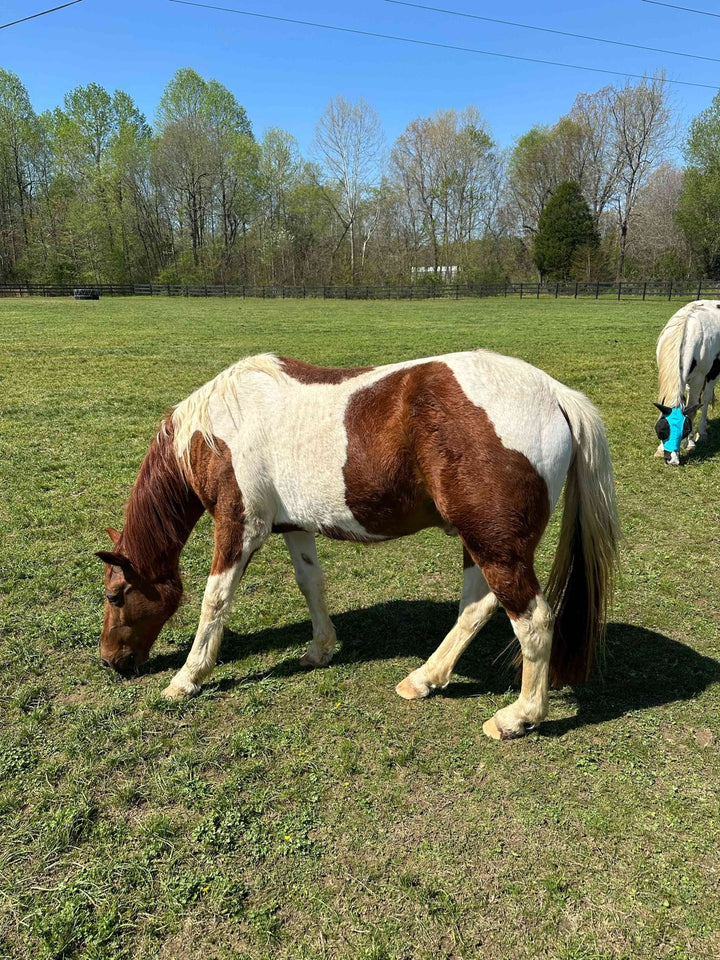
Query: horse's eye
point(114, 598)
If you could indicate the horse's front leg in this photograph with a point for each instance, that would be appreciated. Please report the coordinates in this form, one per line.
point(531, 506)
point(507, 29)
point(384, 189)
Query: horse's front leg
point(234, 547)
point(311, 581)
point(477, 606)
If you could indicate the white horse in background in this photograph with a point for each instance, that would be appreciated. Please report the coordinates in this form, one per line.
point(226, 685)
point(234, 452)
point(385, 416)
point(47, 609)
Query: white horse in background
point(688, 359)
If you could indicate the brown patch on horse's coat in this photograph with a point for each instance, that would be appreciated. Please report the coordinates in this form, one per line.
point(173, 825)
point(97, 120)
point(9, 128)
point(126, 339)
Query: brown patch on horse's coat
point(214, 481)
point(309, 373)
point(437, 459)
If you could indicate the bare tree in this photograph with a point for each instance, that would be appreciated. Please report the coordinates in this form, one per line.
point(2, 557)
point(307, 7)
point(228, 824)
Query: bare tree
point(642, 133)
point(349, 142)
point(449, 172)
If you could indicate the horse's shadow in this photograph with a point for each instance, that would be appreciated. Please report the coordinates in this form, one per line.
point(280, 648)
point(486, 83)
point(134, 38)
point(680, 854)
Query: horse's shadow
point(641, 668)
point(708, 448)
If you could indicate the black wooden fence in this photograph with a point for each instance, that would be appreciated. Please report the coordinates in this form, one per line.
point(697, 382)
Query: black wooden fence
point(625, 290)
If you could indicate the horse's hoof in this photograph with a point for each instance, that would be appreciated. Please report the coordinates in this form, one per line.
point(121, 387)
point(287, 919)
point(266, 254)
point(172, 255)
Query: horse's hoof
point(413, 687)
point(176, 692)
point(491, 729)
point(312, 660)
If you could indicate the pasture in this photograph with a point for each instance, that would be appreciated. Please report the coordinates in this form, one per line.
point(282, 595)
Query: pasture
point(300, 815)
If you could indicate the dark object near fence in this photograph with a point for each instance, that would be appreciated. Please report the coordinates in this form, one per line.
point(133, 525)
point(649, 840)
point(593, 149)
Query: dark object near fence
point(86, 293)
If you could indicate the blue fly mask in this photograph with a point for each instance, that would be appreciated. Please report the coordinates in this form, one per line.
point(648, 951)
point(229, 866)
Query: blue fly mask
point(672, 428)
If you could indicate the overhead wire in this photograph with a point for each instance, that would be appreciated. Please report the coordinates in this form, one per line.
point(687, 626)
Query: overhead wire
point(561, 33)
point(441, 46)
point(704, 13)
point(41, 14)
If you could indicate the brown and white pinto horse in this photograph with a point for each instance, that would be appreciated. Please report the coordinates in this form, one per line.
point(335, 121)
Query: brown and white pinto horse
point(474, 443)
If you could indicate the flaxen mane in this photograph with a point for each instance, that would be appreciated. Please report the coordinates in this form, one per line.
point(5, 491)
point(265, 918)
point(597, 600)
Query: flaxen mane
point(671, 383)
point(192, 414)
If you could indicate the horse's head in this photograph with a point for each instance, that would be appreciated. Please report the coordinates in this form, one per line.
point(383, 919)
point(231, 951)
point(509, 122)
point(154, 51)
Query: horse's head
point(672, 427)
point(136, 608)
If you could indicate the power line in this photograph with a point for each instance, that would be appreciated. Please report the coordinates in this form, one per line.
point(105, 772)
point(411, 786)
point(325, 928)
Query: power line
point(41, 14)
point(561, 33)
point(442, 46)
point(674, 6)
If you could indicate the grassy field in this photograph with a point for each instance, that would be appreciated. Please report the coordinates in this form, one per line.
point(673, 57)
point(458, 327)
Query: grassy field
point(292, 815)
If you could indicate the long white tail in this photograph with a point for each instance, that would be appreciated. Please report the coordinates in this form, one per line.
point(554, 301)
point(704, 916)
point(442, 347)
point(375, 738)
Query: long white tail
point(581, 578)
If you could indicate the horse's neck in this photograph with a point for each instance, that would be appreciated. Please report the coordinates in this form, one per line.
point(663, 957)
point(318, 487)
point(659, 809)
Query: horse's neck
point(161, 513)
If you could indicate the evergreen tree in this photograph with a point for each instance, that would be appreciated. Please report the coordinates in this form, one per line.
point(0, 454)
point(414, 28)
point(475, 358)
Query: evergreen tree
point(565, 228)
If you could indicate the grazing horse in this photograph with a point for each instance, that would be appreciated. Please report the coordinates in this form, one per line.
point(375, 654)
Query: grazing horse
point(688, 359)
point(474, 443)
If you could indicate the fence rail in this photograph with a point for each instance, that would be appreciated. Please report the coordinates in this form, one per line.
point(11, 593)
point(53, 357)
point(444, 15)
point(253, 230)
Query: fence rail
point(625, 290)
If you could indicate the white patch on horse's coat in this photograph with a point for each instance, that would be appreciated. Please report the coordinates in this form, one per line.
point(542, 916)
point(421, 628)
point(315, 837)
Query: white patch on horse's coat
point(288, 438)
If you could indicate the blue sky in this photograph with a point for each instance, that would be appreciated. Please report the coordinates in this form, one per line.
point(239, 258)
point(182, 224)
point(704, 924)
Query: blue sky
point(285, 74)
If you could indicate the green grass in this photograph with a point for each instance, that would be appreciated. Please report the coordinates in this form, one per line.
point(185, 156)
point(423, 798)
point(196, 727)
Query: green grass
point(293, 815)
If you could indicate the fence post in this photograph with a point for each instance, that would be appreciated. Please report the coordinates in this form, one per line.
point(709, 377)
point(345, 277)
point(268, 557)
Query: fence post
point(619, 289)
point(670, 290)
point(576, 289)
point(557, 287)
point(699, 290)
point(597, 290)
point(644, 289)
point(521, 290)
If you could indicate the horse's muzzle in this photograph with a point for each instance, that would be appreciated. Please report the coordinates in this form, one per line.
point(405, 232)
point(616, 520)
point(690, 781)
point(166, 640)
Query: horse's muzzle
point(127, 666)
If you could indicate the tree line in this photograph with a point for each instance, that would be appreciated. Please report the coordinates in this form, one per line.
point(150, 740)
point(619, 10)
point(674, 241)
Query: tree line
point(92, 192)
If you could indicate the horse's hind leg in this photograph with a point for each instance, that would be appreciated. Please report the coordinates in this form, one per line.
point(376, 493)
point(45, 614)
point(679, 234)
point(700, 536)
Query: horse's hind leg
point(477, 605)
point(534, 630)
point(310, 580)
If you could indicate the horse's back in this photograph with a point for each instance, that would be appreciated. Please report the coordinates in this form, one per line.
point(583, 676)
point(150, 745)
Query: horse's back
point(358, 452)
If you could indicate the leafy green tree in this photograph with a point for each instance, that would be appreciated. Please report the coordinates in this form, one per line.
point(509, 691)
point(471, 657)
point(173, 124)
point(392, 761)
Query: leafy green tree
point(699, 209)
point(565, 227)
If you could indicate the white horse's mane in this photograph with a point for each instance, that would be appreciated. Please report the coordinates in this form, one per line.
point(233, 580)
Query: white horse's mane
point(671, 384)
point(192, 414)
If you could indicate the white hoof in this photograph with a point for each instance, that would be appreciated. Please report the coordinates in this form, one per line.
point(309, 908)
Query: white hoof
point(179, 691)
point(312, 659)
point(413, 687)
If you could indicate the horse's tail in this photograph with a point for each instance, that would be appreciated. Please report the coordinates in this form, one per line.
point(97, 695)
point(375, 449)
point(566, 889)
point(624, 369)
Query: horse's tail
point(671, 377)
point(581, 578)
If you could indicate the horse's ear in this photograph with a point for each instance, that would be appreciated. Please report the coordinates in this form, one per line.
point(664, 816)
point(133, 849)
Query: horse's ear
point(118, 560)
point(691, 411)
point(663, 409)
point(113, 534)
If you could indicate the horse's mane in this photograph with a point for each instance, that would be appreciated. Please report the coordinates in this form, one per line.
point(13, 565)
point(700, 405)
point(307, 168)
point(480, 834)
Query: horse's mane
point(161, 511)
point(671, 384)
point(193, 414)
